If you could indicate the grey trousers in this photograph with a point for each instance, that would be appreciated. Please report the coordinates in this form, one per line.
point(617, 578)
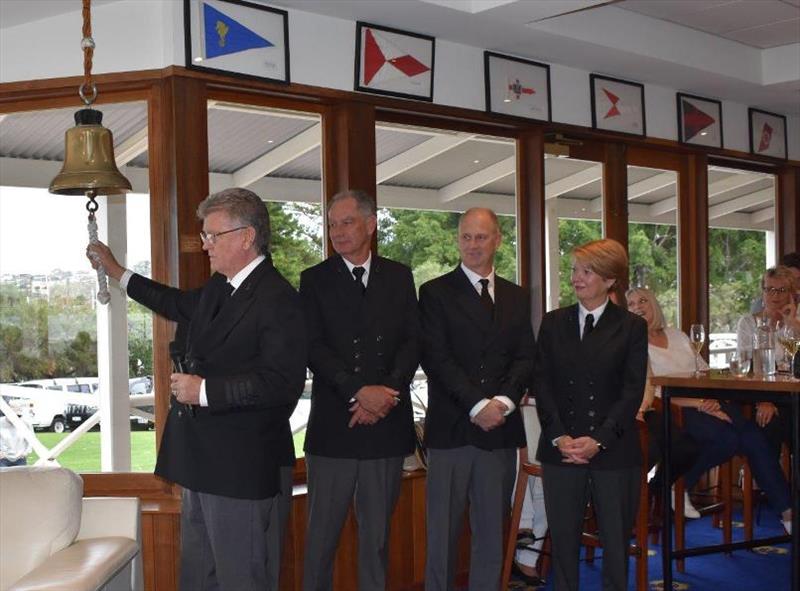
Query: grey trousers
point(485, 479)
point(333, 484)
point(276, 531)
point(615, 494)
point(224, 542)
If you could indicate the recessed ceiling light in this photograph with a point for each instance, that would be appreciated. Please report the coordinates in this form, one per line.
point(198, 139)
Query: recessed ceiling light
point(270, 141)
point(703, 133)
point(198, 59)
point(476, 161)
point(506, 100)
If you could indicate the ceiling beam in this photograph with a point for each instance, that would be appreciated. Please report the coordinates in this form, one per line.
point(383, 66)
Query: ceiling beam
point(763, 215)
point(132, 147)
point(743, 202)
point(420, 153)
point(653, 183)
point(734, 181)
point(289, 150)
point(479, 179)
point(256, 110)
point(587, 176)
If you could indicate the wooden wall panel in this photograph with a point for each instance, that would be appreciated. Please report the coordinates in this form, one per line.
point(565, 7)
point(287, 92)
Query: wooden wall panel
point(787, 210)
point(615, 193)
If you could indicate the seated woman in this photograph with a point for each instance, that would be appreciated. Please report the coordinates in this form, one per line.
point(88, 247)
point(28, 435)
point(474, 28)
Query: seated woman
point(683, 447)
point(778, 286)
point(719, 427)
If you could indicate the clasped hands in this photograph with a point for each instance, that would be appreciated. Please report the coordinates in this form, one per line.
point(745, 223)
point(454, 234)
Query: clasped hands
point(372, 403)
point(578, 450)
point(185, 387)
point(491, 416)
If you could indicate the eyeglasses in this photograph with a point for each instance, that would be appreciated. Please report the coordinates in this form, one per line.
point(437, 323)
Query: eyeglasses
point(773, 291)
point(211, 237)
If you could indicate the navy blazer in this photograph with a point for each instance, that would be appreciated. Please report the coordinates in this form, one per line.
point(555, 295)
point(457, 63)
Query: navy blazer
point(250, 348)
point(357, 340)
point(470, 355)
point(592, 386)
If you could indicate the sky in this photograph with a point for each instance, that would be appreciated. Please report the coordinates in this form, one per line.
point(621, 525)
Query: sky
point(40, 232)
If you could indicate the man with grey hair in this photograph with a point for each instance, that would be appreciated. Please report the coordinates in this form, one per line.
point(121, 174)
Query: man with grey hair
point(241, 360)
point(363, 327)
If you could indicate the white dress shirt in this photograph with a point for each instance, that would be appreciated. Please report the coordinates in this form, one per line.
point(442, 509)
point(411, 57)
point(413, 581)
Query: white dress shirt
point(366, 265)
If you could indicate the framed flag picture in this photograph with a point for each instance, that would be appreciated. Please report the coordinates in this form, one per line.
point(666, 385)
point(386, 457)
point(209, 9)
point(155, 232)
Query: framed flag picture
point(516, 86)
point(617, 105)
point(393, 62)
point(236, 37)
point(767, 134)
point(699, 121)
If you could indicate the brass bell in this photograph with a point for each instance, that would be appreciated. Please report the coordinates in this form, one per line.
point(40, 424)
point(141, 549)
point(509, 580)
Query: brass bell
point(89, 163)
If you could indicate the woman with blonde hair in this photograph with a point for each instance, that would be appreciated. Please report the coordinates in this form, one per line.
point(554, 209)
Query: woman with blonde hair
point(719, 427)
point(589, 375)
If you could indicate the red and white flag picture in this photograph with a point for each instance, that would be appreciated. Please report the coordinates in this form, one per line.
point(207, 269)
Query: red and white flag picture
point(700, 120)
point(515, 86)
point(617, 105)
point(767, 134)
point(394, 62)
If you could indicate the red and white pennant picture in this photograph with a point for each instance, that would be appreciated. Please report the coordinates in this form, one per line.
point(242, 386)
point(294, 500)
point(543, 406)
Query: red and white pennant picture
point(395, 63)
point(618, 106)
point(518, 87)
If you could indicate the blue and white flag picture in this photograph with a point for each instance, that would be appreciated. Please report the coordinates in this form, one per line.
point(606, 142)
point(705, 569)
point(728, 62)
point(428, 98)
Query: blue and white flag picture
point(225, 35)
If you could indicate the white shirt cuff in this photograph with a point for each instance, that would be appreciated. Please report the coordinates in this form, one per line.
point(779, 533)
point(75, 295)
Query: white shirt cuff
point(123, 281)
point(508, 402)
point(203, 396)
point(478, 407)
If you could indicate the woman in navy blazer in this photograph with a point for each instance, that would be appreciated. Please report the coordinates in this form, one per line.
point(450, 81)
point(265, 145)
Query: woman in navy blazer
point(590, 371)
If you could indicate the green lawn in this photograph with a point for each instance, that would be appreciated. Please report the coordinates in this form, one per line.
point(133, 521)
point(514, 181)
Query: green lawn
point(84, 454)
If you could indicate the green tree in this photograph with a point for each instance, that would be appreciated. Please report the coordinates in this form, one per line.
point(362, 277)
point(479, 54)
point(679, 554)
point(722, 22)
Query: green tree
point(296, 237)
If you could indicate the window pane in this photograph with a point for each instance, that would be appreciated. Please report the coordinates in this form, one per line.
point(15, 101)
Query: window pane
point(652, 235)
point(573, 216)
point(426, 179)
point(48, 323)
point(741, 245)
point(275, 154)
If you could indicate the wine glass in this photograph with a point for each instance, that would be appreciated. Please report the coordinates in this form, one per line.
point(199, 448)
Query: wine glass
point(739, 363)
point(789, 337)
point(697, 337)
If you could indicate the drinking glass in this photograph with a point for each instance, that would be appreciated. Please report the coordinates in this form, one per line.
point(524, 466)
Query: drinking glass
point(789, 337)
point(740, 363)
point(697, 336)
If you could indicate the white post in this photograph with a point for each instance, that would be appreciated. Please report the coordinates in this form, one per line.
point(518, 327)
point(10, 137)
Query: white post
point(771, 249)
point(552, 256)
point(112, 347)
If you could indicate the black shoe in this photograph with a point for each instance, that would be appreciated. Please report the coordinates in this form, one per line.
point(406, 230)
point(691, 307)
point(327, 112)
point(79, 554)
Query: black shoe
point(516, 573)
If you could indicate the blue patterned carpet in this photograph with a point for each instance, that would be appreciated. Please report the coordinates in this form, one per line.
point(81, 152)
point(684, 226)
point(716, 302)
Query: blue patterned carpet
point(764, 569)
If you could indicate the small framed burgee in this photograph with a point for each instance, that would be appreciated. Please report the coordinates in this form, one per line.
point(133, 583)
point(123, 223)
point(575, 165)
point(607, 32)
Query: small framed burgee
point(393, 62)
point(699, 120)
point(767, 134)
point(617, 105)
point(236, 37)
point(516, 86)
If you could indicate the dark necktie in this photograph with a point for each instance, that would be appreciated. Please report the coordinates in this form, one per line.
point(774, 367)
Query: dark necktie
point(588, 325)
point(358, 273)
point(486, 298)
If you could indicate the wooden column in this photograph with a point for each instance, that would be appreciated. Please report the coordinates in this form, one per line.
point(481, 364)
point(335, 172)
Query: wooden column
point(693, 240)
point(787, 210)
point(615, 193)
point(178, 156)
point(530, 219)
point(348, 153)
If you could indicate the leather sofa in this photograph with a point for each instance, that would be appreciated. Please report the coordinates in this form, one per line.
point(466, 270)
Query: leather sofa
point(51, 537)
